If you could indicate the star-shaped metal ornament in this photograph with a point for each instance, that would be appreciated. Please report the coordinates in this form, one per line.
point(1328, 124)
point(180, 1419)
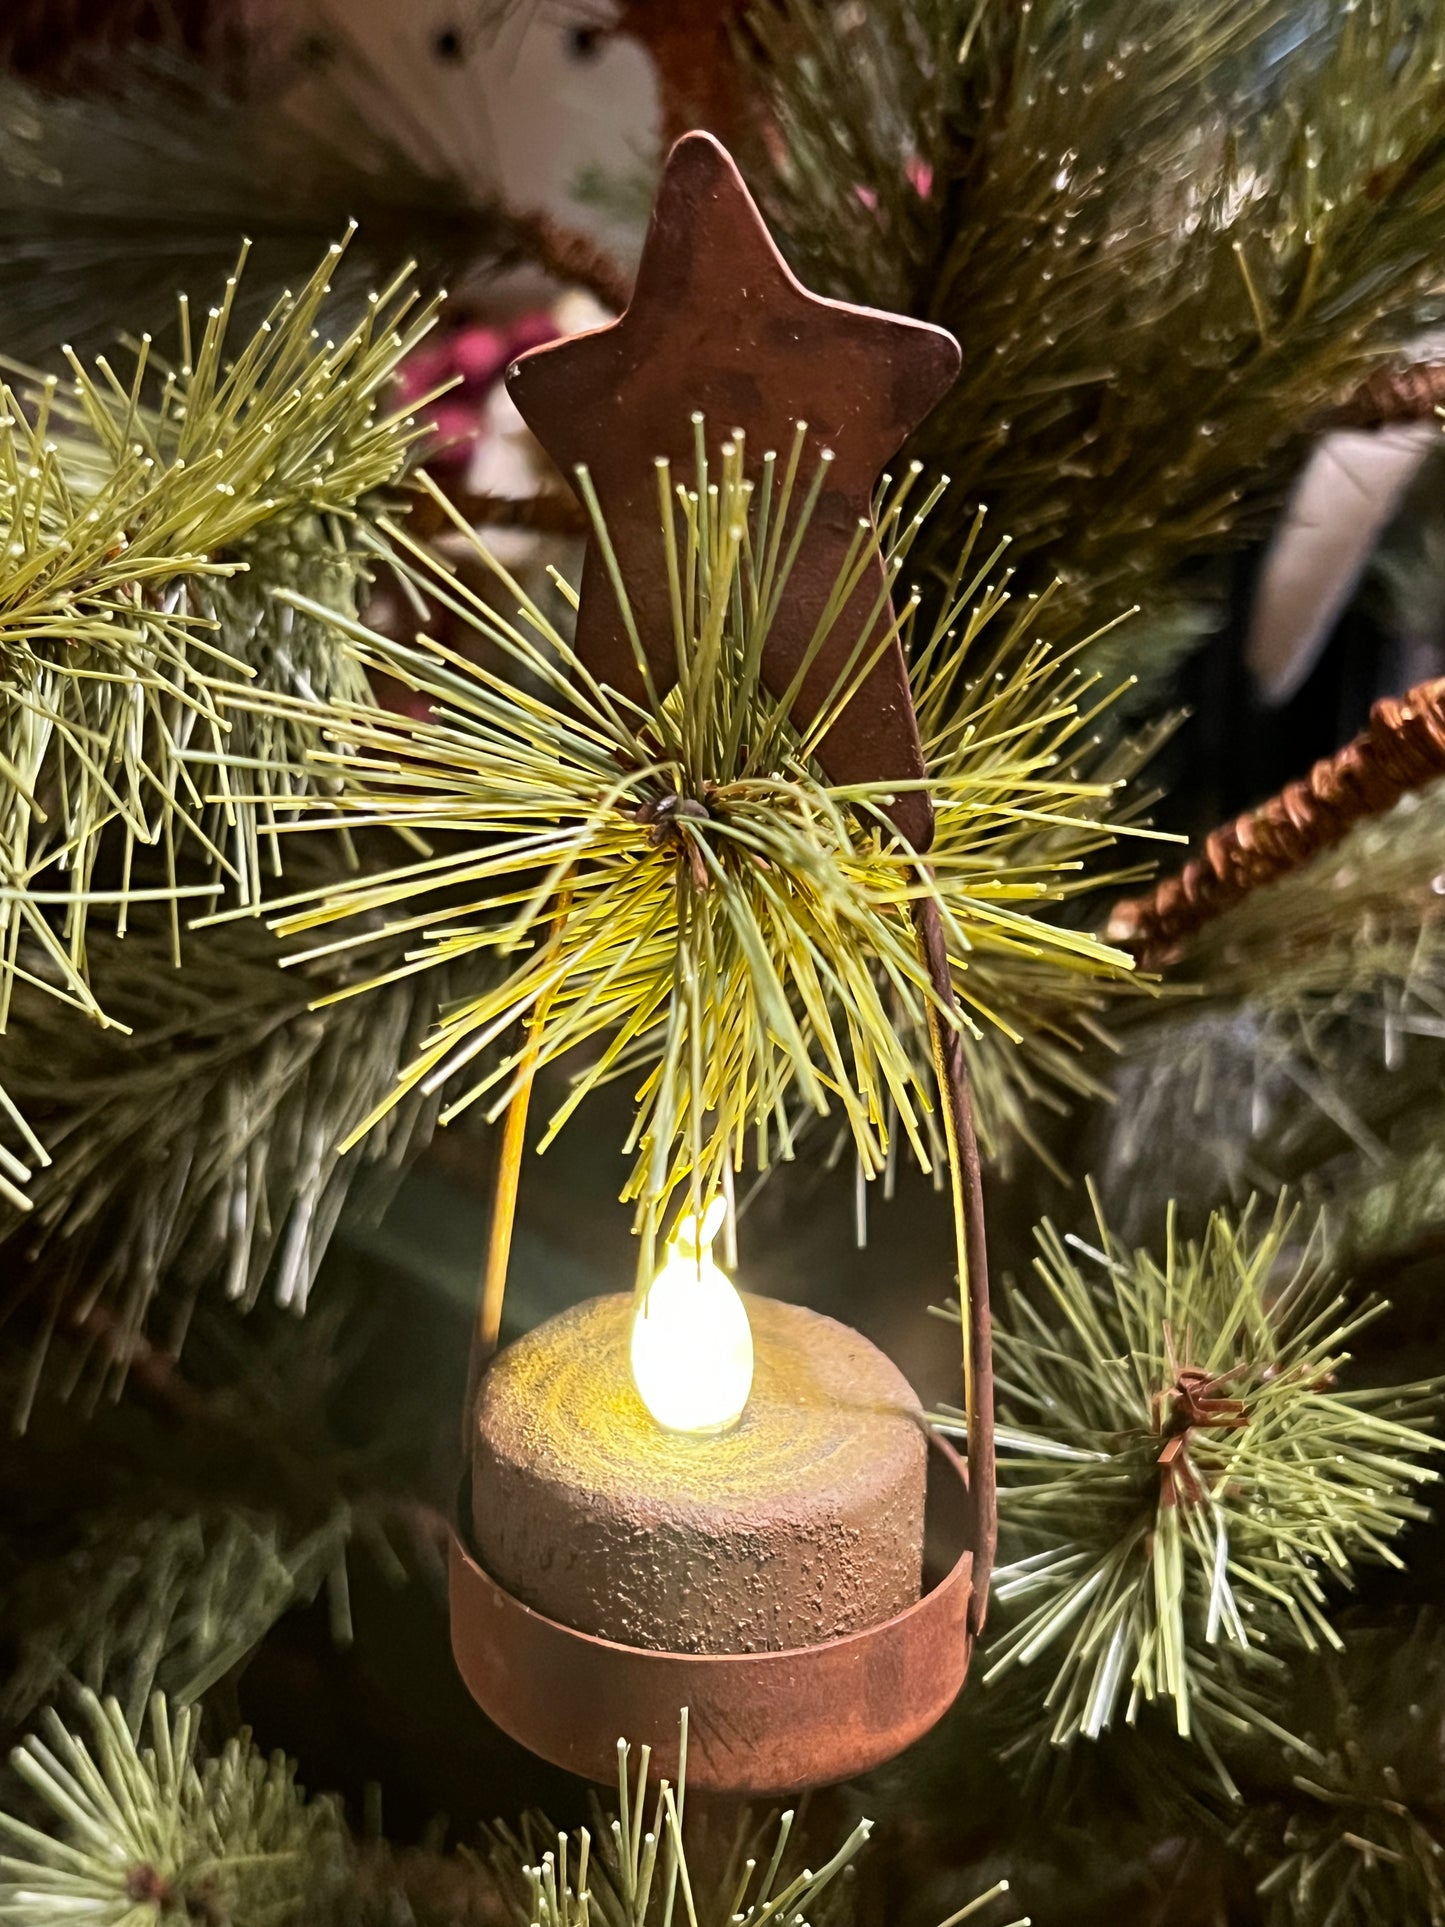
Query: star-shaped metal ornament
point(719, 324)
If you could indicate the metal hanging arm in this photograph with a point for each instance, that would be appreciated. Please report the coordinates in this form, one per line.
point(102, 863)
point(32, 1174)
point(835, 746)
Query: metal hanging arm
point(966, 1179)
point(487, 1328)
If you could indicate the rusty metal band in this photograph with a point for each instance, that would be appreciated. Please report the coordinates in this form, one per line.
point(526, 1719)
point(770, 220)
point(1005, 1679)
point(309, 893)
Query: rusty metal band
point(759, 1724)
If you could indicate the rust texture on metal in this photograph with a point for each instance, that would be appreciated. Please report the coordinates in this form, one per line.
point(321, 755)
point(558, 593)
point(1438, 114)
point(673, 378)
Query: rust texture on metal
point(1403, 748)
point(758, 1723)
point(694, 51)
point(800, 1523)
point(718, 324)
point(966, 1172)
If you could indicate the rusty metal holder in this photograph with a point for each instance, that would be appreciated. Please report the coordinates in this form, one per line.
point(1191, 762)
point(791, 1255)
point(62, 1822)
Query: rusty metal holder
point(716, 308)
point(758, 1723)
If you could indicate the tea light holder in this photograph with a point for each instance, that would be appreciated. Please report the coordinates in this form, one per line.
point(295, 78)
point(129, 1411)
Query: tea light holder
point(760, 1723)
point(719, 330)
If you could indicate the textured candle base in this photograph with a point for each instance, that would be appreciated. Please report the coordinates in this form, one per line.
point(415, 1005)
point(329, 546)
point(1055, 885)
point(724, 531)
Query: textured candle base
point(802, 1523)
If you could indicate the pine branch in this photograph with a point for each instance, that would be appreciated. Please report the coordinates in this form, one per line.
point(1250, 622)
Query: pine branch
point(125, 523)
point(146, 540)
point(629, 1873)
point(736, 930)
point(116, 198)
point(1347, 1828)
point(155, 1831)
point(149, 1832)
point(196, 1142)
point(154, 1541)
point(166, 1601)
point(1308, 1052)
point(1171, 237)
point(625, 1872)
point(1181, 1475)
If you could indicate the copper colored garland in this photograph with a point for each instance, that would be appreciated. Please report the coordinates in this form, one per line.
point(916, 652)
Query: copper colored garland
point(1403, 748)
point(572, 256)
point(1394, 396)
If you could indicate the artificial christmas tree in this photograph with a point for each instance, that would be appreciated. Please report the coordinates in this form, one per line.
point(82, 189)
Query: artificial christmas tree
point(325, 819)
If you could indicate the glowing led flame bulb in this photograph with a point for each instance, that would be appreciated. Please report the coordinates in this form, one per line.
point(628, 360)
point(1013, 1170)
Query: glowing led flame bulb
point(692, 1346)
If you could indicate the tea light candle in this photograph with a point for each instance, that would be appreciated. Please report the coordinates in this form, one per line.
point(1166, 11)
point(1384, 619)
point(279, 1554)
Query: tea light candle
point(800, 1523)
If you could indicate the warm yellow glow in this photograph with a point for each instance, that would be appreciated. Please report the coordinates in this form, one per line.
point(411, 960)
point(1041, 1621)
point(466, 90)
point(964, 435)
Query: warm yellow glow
point(692, 1346)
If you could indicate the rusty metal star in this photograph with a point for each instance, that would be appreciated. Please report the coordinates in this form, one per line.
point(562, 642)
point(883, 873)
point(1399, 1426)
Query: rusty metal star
point(719, 324)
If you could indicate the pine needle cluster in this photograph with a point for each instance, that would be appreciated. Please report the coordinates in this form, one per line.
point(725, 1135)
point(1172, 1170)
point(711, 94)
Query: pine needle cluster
point(169, 1600)
point(216, 1497)
point(194, 1143)
point(691, 902)
point(632, 1872)
point(150, 1832)
point(626, 1872)
point(154, 1831)
point(113, 198)
point(1343, 1826)
point(146, 523)
point(1172, 238)
point(1182, 1478)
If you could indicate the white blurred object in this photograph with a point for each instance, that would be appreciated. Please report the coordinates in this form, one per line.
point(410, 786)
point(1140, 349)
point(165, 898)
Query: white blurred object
point(1341, 505)
point(507, 460)
point(528, 107)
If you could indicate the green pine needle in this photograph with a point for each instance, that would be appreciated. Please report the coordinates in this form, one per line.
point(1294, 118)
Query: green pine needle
point(1308, 1052)
point(152, 1832)
point(632, 1873)
point(627, 1872)
point(1345, 1831)
point(1171, 237)
point(143, 522)
point(1152, 1537)
point(195, 1141)
point(689, 902)
point(113, 198)
point(168, 1600)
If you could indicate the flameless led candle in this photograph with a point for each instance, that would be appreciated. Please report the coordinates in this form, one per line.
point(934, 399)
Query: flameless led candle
point(692, 1345)
point(627, 1483)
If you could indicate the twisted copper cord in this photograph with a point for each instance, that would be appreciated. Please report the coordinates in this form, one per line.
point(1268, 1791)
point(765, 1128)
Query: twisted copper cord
point(1403, 748)
point(1393, 396)
point(569, 255)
